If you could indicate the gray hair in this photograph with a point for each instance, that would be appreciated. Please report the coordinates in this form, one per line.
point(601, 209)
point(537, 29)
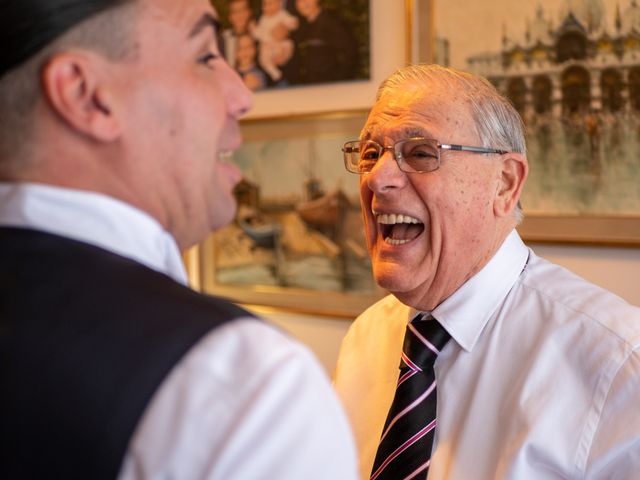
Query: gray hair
point(497, 122)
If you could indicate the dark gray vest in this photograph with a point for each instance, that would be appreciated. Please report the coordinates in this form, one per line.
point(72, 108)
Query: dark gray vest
point(86, 338)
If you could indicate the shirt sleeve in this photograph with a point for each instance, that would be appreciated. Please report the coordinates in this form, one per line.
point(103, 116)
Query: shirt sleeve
point(615, 451)
point(246, 402)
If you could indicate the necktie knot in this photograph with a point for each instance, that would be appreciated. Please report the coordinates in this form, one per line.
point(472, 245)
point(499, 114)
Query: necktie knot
point(423, 341)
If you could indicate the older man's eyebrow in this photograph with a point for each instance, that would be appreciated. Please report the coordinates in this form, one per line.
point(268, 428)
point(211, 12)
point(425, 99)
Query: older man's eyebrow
point(206, 20)
point(414, 132)
point(403, 133)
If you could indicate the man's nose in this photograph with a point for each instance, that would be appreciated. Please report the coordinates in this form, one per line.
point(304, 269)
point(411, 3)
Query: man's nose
point(386, 173)
point(239, 97)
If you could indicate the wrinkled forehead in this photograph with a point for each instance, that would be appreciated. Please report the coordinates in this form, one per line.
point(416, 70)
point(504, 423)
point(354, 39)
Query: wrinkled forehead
point(420, 111)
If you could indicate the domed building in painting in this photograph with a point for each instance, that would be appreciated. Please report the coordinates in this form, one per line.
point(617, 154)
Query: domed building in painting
point(574, 75)
point(576, 65)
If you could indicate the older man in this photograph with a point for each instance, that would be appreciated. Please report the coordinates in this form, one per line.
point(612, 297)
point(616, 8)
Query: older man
point(511, 367)
point(113, 116)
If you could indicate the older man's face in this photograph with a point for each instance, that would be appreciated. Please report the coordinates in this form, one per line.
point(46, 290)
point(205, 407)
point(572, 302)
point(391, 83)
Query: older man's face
point(423, 263)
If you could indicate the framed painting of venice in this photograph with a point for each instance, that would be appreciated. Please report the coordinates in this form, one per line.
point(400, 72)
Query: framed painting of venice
point(572, 70)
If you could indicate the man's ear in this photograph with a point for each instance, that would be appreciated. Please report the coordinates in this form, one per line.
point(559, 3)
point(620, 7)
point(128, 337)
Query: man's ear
point(515, 169)
point(73, 85)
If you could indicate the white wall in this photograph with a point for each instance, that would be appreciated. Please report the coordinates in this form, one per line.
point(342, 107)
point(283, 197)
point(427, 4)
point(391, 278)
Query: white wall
point(321, 334)
point(616, 269)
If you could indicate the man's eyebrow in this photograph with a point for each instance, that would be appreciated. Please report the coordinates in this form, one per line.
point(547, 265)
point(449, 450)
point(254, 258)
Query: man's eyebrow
point(415, 132)
point(206, 20)
point(408, 132)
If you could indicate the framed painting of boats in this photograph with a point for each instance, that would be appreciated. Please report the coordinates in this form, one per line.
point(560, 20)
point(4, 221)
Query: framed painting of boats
point(572, 70)
point(297, 242)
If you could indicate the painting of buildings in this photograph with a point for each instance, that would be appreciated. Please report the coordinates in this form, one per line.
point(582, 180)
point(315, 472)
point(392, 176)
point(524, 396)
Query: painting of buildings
point(572, 70)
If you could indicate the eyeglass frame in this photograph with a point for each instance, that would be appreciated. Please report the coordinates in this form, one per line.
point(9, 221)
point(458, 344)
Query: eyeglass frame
point(397, 155)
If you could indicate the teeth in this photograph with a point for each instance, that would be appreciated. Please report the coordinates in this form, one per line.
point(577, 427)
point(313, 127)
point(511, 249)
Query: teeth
point(393, 241)
point(393, 219)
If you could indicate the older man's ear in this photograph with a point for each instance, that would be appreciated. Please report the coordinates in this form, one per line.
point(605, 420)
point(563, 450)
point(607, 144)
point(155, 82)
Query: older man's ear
point(515, 169)
point(73, 87)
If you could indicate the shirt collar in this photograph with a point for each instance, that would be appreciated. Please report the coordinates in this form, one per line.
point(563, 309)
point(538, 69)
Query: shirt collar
point(465, 313)
point(92, 218)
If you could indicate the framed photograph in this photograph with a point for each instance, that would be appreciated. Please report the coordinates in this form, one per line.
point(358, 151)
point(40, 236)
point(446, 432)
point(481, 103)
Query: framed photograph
point(312, 56)
point(572, 69)
point(298, 241)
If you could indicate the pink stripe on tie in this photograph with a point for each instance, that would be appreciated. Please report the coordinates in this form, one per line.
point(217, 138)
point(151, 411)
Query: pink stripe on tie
point(408, 408)
point(410, 364)
point(403, 447)
point(420, 469)
point(427, 343)
point(405, 377)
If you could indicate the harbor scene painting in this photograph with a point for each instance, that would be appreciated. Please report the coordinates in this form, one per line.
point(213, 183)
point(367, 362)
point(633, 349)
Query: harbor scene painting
point(298, 224)
point(572, 69)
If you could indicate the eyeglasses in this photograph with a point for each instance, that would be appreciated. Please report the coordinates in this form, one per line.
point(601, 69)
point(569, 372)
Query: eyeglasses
point(413, 155)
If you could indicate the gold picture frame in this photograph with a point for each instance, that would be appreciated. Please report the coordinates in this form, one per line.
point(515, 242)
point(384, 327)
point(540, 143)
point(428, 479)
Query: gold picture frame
point(387, 52)
point(300, 254)
point(575, 224)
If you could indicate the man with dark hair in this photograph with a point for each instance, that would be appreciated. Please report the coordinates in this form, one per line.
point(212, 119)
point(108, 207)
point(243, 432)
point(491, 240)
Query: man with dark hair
point(324, 49)
point(511, 367)
point(116, 118)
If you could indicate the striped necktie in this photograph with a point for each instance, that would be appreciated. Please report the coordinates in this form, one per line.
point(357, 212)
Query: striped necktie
point(407, 439)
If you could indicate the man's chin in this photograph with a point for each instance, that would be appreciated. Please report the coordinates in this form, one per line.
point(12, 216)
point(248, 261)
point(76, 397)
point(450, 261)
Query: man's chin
point(402, 285)
point(223, 217)
point(392, 279)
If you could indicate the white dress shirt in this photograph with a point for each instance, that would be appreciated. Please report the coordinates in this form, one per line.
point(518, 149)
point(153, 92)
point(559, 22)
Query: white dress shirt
point(541, 379)
point(247, 402)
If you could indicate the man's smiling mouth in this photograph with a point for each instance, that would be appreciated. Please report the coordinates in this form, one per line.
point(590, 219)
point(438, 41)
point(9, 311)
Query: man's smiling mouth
point(398, 229)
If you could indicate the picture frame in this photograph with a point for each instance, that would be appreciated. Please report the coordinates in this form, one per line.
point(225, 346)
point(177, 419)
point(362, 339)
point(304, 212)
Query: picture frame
point(307, 267)
point(387, 52)
point(496, 30)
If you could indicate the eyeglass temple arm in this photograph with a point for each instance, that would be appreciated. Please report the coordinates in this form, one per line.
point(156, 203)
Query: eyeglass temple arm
point(472, 149)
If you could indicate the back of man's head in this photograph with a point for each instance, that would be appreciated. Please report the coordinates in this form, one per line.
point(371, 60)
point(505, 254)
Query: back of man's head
point(31, 31)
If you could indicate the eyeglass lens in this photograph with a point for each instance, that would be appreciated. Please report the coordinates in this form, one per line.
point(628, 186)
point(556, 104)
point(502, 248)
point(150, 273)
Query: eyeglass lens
point(418, 155)
point(413, 155)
